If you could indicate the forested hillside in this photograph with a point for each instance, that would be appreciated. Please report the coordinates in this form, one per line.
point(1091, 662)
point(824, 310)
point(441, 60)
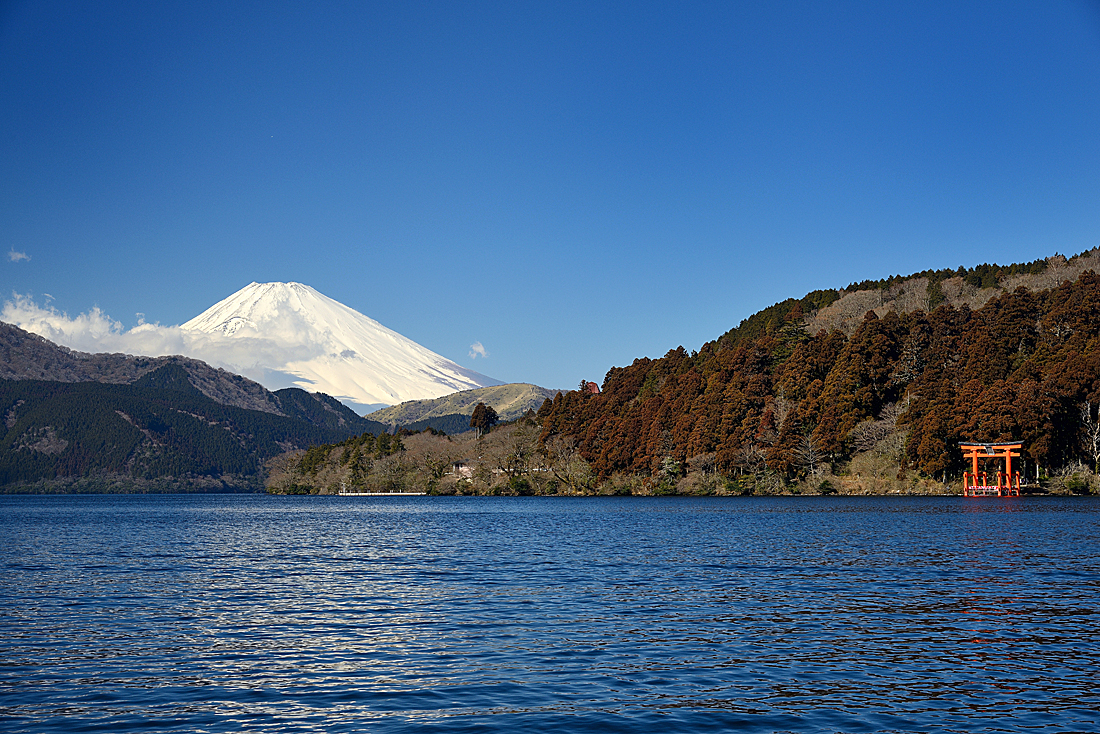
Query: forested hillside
point(771, 402)
point(781, 405)
point(96, 436)
point(26, 356)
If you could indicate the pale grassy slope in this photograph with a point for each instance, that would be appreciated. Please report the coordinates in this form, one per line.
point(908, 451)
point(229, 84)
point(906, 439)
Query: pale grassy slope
point(509, 401)
point(847, 313)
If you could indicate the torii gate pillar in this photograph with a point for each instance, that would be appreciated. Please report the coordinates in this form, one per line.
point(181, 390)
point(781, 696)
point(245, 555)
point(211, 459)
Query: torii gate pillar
point(1008, 483)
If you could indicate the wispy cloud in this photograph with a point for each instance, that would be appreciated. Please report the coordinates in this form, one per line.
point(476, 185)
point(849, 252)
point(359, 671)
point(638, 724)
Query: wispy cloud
point(17, 256)
point(75, 333)
point(95, 331)
point(286, 352)
point(477, 350)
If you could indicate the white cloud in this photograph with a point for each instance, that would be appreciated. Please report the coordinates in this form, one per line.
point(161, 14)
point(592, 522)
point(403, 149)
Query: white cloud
point(95, 331)
point(283, 352)
point(57, 326)
point(17, 256)
point(476, 350)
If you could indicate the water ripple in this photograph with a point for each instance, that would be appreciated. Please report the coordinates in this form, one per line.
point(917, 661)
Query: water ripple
point(291, 614)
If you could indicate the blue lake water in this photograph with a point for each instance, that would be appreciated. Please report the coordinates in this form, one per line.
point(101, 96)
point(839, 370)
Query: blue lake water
point(384, 614)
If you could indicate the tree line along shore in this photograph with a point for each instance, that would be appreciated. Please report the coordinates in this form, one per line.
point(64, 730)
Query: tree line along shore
point(778, 409)
point(867, 389)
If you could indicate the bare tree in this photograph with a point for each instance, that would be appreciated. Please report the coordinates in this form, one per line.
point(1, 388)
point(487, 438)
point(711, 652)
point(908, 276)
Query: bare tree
point(390, 474)
point(519, 454)
point(702, 463)
point(781, 410)
point(808, 455)
point(565, 462)
point(1091, 427)
point(434, 456)
point(750, 458)
point(508, 454)
point(870, 433)
point(282, 471)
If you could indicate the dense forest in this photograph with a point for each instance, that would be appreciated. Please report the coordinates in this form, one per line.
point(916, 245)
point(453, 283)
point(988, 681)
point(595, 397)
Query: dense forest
point(786, 403)
point(772, 407)
point(92, 436)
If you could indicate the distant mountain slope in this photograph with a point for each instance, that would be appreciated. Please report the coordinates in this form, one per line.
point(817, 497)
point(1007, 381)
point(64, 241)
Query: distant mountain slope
point(327, 347)
point(160, 427)
point(323, 410)
point(26, 356)
point(509, 401)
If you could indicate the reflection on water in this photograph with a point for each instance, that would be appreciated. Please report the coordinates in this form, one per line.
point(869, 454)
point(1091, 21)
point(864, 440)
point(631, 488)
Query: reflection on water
point(302, 614)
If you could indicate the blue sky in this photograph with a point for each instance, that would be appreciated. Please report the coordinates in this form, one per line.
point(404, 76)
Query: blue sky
point(573, 185)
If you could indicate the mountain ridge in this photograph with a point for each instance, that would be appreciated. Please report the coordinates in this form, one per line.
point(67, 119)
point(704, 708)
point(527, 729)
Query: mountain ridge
point(844, 308)
point(28, 356)
point(510, 401)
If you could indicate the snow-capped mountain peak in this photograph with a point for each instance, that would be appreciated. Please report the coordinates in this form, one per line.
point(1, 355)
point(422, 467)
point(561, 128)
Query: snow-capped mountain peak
point(325, 346)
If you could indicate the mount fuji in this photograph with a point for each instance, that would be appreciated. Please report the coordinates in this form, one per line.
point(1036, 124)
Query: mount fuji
point(308, 340)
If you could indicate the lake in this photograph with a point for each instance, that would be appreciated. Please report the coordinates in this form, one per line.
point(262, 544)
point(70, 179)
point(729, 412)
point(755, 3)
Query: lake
point(229, 613)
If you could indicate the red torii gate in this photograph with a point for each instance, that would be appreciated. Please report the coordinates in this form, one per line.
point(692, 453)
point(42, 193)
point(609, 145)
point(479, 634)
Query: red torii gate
point(1008, 483)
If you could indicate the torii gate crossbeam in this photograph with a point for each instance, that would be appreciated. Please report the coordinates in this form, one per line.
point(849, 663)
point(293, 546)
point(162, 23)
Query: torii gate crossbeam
point(1008, 483)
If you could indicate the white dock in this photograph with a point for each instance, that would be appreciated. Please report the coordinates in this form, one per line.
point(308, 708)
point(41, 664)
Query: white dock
point(382, 494)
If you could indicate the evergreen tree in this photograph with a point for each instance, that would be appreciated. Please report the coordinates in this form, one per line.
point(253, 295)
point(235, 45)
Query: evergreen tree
point(483, 419)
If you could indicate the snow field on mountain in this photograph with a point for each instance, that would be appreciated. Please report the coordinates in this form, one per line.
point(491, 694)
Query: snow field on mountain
point(331, 348)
